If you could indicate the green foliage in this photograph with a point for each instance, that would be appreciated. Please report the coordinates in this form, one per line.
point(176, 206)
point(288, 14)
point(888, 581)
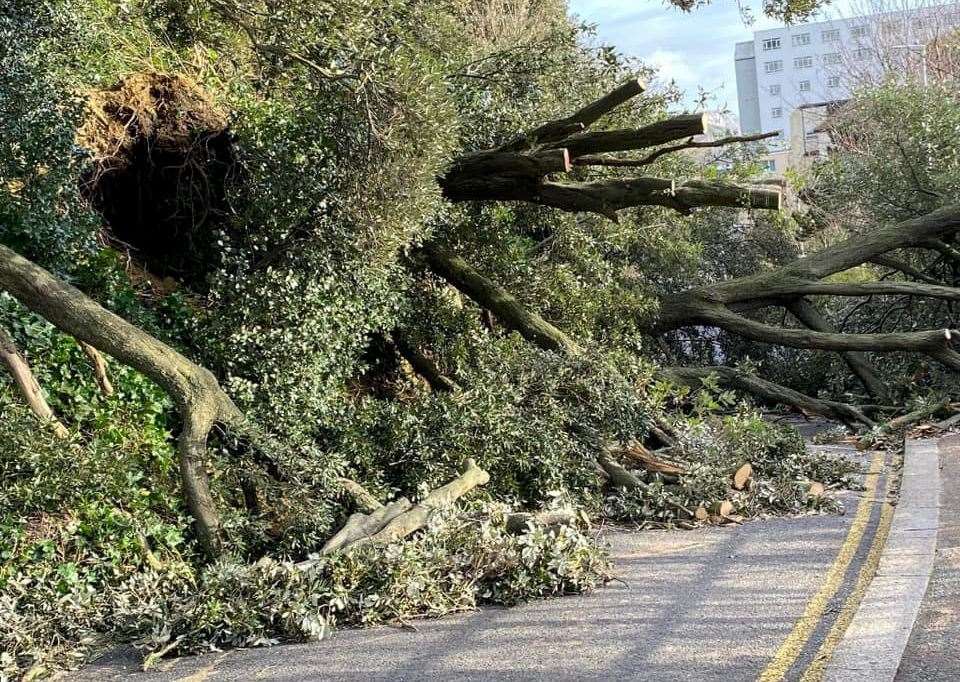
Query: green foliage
point(458, 563)
point(341, 115)
point(535, 435)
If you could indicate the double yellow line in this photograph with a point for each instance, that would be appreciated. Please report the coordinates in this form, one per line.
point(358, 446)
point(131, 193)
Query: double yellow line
point(804, 628)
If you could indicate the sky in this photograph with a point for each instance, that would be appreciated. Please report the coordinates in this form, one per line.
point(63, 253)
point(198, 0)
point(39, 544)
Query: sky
point(695, 49)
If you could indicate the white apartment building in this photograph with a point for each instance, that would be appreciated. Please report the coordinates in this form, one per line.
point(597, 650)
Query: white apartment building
point(784, 69)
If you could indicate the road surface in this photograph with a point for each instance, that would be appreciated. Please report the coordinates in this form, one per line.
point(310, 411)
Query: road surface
point(760, 600)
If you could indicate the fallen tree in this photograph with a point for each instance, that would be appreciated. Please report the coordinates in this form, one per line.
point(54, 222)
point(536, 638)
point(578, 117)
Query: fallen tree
point(518, 171)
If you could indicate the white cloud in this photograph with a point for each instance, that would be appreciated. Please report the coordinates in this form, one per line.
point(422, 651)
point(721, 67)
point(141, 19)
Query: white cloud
point(672, 66)
point(695, 49)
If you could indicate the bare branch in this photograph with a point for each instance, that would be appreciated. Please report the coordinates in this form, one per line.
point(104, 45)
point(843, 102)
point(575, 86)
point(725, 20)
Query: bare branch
point(689, 144)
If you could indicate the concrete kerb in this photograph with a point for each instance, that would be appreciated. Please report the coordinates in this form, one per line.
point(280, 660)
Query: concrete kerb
point(873, 645)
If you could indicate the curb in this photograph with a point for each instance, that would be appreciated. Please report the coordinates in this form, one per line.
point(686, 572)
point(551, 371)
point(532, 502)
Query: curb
point(873, 645)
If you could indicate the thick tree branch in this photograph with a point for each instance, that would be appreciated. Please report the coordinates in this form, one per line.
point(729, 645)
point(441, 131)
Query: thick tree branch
point(653, 135)
point(23, 377)
point(579, 120)
point(606, 197)
point(492, 296)
point(768, 391)
point(653, 156)
point(810, 317)
point(920, 289)
point(929, 342)
point(888, 261)
point(194, 390)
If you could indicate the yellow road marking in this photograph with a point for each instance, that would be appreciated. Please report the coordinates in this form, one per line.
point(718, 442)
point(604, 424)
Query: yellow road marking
point(814, 673)
point(788, 652)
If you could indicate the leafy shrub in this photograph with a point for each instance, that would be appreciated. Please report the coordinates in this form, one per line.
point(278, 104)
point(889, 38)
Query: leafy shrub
point(458, 563)
point(535, 434)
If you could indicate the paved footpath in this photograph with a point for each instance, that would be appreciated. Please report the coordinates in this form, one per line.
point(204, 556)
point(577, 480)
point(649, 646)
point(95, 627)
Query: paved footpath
point(933, 651)
point(761, 600)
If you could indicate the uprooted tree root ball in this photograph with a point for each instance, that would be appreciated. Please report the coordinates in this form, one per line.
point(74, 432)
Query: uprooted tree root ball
point(162, 156)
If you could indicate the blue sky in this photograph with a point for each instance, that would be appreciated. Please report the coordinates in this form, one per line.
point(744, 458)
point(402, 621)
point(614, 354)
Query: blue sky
point(694, 49)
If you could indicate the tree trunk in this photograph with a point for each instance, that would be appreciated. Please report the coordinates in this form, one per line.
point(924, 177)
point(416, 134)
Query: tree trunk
point(194, 390)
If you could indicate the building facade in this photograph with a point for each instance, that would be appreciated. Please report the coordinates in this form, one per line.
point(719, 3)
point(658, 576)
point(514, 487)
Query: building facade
point(783, 70)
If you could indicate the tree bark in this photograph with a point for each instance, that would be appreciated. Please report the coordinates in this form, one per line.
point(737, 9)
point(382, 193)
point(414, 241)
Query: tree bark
point(769, 391)
point(399, 519)
point(99, 368)
point(23, 377)
point(810, 317)
point(655, 134)
point(422, 365)
point(579, 120)
point(195, 391)
point(505, 306)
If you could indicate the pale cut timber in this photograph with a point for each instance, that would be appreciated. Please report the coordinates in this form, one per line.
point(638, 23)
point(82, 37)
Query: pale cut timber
point(419, 515)
point(361, 526)
point(25, 380)
point(638, 455)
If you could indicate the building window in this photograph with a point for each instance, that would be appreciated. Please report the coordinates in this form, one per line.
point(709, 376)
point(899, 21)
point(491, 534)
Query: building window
point(771, 43)
point(769, 165)
point(831, 58)
point(858, 31)
point(802, 62)
point(804, 86)
point(862, 53)
point(893, 26)
point(831, 36)
point(775, 89)
point(801, 39)
point(773, 67)
point(776, 112)
point(833, 82)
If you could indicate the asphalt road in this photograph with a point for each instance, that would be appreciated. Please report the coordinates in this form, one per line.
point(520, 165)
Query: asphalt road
point(728, 603)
